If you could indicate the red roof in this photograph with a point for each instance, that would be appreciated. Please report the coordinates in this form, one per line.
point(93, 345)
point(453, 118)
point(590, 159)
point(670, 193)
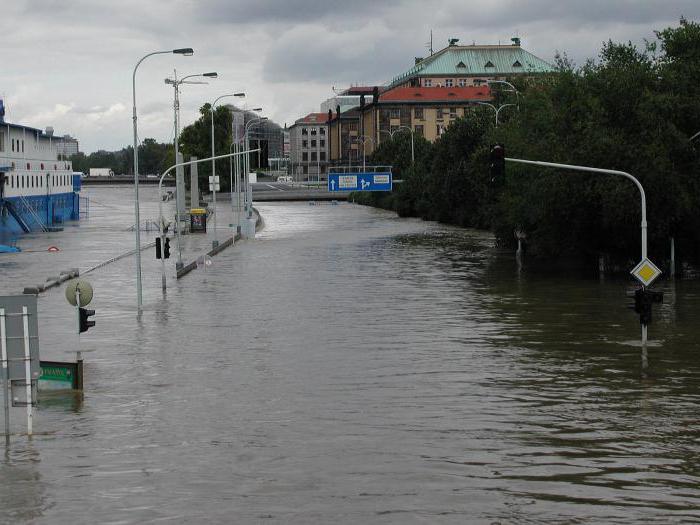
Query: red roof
point(313, 118)
point(432, 94)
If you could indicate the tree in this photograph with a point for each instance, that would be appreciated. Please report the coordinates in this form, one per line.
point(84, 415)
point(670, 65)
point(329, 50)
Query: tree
point(195, 140)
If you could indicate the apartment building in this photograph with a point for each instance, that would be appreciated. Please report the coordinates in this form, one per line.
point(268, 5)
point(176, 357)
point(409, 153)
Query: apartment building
point(309, 147)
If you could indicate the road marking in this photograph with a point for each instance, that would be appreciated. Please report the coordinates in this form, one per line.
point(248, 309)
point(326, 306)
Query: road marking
point(273, 187)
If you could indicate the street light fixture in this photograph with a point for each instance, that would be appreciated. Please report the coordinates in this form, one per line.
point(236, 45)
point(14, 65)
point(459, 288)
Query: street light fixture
point(497, 110)
point(215, 242)
point(186, 51)
point(363, 139)
point(512, 89)
point(175, 82)
point(248, 202)
point(392, 133)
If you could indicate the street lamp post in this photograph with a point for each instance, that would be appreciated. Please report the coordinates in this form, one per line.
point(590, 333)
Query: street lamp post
point(248, 201)
point(512, 89)
point(215, 242)
point(176, 111)
point(363, 139)
point(187, 51)
point(392, 133)
point(497, 110)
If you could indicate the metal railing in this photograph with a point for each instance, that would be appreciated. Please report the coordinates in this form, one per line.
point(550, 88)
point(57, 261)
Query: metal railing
point(28, 207)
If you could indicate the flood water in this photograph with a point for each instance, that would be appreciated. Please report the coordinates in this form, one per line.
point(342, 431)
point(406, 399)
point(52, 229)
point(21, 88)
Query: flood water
point(351, 367)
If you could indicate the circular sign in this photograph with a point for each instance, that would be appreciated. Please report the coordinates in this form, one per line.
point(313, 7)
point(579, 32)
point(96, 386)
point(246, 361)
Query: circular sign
point(85, 292)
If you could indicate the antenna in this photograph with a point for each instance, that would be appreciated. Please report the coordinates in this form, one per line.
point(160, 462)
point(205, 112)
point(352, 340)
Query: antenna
point(429, 45)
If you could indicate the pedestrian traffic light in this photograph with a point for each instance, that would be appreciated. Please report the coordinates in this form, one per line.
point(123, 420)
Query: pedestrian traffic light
point(84, 322)
point(497, 164)
point(158, 250)
point(166, 249)
point(643, 300)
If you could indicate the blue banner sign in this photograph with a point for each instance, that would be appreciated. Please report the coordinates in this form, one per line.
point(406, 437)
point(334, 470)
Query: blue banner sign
point(360, 181)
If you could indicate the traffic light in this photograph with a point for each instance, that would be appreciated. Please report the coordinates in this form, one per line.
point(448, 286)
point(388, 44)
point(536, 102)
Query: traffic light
point(166, 249)
point(158, 251)
point(497, 164)
point(84, 322)
point(643, 300)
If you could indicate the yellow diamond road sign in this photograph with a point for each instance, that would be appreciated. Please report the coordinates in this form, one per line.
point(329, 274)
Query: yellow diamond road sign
point(646, 272)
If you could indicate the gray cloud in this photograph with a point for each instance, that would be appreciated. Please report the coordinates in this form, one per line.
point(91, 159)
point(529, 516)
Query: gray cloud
point(304, 11)
point(68, 63)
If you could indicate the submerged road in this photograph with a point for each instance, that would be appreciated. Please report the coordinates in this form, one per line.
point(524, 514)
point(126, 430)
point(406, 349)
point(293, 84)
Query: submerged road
point(349, 366)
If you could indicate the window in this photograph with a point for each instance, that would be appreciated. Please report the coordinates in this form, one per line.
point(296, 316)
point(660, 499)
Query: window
point(439, 113)
point(440, 129)
point(462, 82)
point(395, 113)
point(322, 143)
point(462, 65)
point(313, 131)
point(2, 141)
point(13, 144)
point(489, 64)
point(306, 170)
point(419, 130)
point(428, 82)
point(322, 131)
point(448, 82)
point(22, 145)
point(304, 143)
point(304, 131)
point(305, 157)
point(419, 113)
point(453, 112)
point(313, 156)
point(323, 155)
point(517, 64)
point(313, 143)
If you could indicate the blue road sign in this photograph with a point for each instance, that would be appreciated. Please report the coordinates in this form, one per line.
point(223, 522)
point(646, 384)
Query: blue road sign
point(360, 181)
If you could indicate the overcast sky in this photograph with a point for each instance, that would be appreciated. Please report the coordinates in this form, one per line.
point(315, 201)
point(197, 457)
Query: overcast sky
point(68, 63)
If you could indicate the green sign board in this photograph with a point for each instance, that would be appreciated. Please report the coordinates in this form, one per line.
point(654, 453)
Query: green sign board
point(60, 376)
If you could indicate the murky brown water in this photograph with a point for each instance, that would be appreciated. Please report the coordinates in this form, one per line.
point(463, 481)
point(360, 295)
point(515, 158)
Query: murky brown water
point(353, 367)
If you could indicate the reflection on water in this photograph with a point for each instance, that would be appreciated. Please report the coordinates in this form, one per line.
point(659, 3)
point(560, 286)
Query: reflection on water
point(354, 367)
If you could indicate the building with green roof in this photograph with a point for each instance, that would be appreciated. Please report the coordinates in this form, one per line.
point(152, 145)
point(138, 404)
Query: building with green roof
point(462, 66)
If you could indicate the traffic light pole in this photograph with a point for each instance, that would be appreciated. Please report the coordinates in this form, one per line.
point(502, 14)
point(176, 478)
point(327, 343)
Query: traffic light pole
point(643, 208)
point(605, 172)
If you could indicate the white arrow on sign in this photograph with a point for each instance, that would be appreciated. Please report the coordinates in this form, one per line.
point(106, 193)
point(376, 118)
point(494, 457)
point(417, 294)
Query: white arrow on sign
point(333, 185)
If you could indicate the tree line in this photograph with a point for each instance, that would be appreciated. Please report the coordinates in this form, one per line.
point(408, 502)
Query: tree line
point(154, 158)
point(634, 110)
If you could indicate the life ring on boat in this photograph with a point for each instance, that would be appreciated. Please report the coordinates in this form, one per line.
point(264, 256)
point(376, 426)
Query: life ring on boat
point(53, 249)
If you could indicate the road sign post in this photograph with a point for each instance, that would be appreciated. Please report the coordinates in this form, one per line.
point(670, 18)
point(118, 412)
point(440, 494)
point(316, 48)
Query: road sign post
point(19, 349)
point(5, 375)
